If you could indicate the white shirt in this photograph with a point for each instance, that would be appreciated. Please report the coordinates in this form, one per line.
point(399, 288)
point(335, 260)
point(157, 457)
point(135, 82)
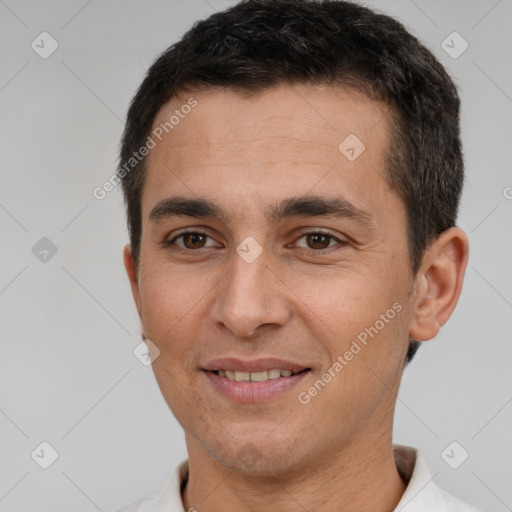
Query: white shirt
point(421, 494)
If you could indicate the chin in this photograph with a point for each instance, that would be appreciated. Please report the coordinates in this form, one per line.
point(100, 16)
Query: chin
point(257, 456)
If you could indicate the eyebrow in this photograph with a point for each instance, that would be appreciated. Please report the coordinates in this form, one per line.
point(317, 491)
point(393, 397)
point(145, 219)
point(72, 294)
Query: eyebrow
point(308, 206)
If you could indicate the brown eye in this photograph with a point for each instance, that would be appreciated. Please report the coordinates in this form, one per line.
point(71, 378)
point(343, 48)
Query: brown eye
point(318, 240)
point(194, 240)
point(190, 241)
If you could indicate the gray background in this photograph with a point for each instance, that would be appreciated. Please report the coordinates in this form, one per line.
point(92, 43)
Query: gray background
point(68, 374)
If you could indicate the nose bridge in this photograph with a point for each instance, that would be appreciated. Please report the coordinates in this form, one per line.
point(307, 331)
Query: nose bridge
point(250, 295)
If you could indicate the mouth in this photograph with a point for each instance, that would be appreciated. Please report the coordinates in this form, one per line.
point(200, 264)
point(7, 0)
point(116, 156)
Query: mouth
point(253, 381)
point(262, 376)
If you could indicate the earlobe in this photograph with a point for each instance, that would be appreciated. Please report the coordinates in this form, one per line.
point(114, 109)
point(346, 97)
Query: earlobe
point(438, 284)
point(131, 271)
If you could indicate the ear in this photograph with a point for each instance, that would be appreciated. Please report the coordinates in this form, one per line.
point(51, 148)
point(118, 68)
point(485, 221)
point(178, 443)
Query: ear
point(129, 265)
point(438, 283)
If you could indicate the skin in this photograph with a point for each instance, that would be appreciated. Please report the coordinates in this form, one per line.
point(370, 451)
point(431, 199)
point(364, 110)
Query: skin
point(245, 153)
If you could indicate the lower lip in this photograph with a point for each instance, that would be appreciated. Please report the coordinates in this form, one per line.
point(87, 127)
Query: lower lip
point(245, 391)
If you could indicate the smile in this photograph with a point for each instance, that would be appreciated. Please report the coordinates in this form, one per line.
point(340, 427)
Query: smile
point(262, 376)
point(254, 386)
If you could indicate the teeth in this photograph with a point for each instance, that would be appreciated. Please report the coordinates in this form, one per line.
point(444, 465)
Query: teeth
point(240, 376)
point(259, 376)
point(274, 374)
point(255, 376)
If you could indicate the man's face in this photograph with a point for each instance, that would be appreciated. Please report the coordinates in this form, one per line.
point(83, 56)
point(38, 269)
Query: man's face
point(299, 285)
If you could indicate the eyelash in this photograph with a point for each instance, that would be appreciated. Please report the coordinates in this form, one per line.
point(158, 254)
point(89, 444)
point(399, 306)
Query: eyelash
point(341, 243)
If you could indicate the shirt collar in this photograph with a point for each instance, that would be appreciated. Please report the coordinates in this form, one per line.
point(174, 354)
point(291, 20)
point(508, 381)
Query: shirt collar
point(422, 493)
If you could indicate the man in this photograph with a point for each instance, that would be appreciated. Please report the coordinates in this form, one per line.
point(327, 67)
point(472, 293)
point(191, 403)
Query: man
point(292, 173)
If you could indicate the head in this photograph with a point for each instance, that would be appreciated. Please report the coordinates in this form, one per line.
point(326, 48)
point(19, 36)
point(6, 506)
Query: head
point(262, 121)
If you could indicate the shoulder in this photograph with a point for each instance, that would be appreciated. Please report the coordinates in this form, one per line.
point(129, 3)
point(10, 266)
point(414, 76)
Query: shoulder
point(143, 505)
point(422, 493)
point(168, 499)
point(454, 504)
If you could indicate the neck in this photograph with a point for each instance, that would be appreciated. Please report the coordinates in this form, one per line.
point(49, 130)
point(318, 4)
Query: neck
point(362, 476)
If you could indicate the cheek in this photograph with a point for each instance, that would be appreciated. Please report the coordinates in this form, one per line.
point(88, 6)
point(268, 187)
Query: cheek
point(340, 304)
point(362, 378)
point(170, 294)
point(170, 305)
point(171, 302)
point(361, 322)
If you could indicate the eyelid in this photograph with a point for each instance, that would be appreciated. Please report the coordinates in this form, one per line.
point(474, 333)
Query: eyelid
point(172, 241)
point(309, 231)
point(324, 231)
point(302, 232)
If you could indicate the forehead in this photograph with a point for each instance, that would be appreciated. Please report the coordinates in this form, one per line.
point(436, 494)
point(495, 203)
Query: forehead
point(240, 145)
point(320, 114)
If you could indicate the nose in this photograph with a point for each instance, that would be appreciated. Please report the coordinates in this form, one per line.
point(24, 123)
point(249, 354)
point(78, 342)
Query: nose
point(251, 296)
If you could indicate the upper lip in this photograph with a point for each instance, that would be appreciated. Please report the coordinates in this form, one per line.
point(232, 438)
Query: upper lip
point(252, 366)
